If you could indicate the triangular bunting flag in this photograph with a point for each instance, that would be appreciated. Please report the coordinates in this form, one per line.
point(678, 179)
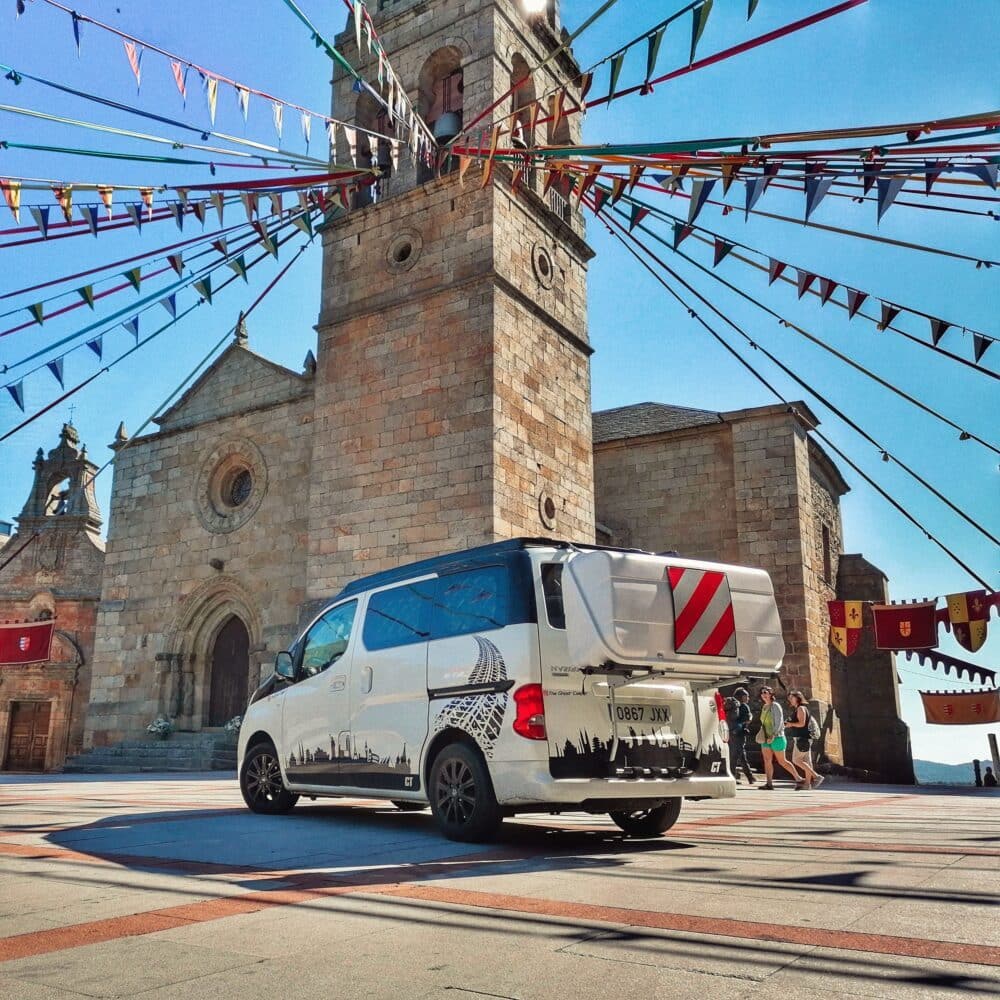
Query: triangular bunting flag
point(76, 31)
point(221, 245)
point(37, 311)
point(170, 304)
point(198, 208)
point(134, 54)
point(147, 199)
point(617, 189)
point(558, 110)
point(249, 199)
point(755, 188)
point(176, 262)
point(729, 171)
point(243, 95)
point(212, 95)
point(134, 210)
point(134, 277)
point(177, 210)
point(12, 195)
point(87, 294)
point(872, 170)
point(90, 214)
point(239, 265)
point(303, 221)
point(826, 287)
point(351, 135)
point(204, 288)
point(276, 207)
point(653, 52)
point(107, 198)
point(816, 189)
point(681, 233)
point(97, 346)
point(64, 195)
point(634, 176)
point(889, 313)
point(219, 201)
point(700, 191)
point(132, 325)
point(980, 345)
point(938, 328)
point(180, 78)
point(751, 7)
point(277, 116)
point(358, 8)
point(16, 389)
point(774, 269)
point(585, 82)
point(600, 197)
point(888, 188)
point(987, 172)
point(932, 171)
point(854, 300)
point(698, 25)
point(722, 248)
point(638, 213)
point(56, 367)
point(182, 195)
point(307, 128)
point(616, 68)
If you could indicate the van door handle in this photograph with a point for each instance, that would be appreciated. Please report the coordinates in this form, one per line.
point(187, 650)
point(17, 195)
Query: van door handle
point(338, 683)
point(367, 677)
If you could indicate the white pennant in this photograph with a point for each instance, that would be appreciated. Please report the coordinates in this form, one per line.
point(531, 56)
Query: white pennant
point(278, 113)
point(306, 127)
point(244, 96)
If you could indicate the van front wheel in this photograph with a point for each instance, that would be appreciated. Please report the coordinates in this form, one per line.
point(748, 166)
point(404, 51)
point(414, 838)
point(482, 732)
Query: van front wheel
point(461, 795)
point(648, 822)
point(261, 782)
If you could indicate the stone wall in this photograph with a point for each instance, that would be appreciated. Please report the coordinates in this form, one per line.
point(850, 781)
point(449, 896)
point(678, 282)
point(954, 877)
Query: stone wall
point(177, 567)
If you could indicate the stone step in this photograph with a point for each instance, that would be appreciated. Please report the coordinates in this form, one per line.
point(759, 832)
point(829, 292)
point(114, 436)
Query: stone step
point(179, 753)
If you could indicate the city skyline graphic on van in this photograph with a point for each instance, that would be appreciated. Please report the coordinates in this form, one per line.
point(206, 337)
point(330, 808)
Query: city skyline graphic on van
point(353, 763)
point(479, 715)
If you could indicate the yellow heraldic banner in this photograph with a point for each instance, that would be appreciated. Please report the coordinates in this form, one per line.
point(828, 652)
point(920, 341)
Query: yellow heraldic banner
point(961, 708)
point(968, 614)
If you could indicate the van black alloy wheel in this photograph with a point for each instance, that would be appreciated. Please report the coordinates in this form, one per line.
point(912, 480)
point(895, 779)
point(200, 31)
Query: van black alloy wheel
point(261, 783)
point(649, 822)
point(462, 798)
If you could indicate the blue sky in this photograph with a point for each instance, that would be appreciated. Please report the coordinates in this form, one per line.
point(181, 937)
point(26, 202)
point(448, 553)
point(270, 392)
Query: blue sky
point(884, 62)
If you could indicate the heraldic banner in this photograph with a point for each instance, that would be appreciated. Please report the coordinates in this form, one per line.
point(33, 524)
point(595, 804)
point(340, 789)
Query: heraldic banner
point(845, 625)
point(25, 642)
point(968, 614)
point(905, 626)
point(962, 708)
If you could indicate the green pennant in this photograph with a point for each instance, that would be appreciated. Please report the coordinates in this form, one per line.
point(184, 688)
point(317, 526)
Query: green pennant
point(134, 277)
point(87, 294)
point(616, 70)
point(204, 288)
point(654, 51)
point(38, 311)
point(270, 246)
point(239, 265)
point(303, 221)
point(698, 24)
point(751, 7)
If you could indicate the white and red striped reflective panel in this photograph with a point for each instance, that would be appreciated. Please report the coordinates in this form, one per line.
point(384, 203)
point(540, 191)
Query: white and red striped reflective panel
point(703, 612)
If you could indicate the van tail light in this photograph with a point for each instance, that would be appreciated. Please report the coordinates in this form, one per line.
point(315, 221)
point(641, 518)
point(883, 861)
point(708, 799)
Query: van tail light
point(720, 706)
point(530, 719)
point(720, 709)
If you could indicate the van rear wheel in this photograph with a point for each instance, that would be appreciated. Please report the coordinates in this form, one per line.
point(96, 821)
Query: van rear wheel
point(461, 795)
point(649, 822)
point(261, 783)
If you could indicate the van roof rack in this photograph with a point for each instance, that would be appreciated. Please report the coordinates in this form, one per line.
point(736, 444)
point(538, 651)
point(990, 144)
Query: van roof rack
point(468, 557)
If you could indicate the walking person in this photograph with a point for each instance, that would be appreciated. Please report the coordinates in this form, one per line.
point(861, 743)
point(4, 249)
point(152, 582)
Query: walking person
point(799, 730)
point(739, 731)
point(771, 737)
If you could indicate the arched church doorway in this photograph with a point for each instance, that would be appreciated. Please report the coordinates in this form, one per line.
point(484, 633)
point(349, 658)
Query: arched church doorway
point(230, 661)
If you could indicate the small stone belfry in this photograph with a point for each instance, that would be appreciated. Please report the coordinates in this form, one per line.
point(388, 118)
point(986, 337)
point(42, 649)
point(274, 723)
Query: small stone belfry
point(453, 387)
point(55, 564)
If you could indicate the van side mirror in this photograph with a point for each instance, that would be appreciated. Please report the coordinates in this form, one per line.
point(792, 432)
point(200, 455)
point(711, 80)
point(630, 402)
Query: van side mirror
point(284, 667)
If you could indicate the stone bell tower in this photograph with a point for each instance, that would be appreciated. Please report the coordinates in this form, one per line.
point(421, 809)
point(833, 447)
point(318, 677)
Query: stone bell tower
point(453, 388)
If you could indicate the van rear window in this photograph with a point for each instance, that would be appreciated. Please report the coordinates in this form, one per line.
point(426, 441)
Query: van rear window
point(473, 601)
point(399, 616)
point(552, 589)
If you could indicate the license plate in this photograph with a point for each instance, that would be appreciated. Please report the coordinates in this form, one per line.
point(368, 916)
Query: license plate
point(650, 716)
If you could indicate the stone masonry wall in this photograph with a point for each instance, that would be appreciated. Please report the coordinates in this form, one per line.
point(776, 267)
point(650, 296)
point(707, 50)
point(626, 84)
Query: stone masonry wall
point(159, 581)
point(670, 492)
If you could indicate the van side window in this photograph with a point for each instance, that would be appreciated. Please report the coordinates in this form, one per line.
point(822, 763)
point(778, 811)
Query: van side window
point(472, 601)
point(399, 616)
point(552, 589)
point(326, 642)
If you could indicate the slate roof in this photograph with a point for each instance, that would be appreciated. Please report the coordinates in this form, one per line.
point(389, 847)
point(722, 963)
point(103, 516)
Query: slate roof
point(648, 418)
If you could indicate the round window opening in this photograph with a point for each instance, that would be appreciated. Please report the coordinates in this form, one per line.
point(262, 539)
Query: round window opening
point(547, 510)
point(541, 263)
point(401, 254)
point(239, 488)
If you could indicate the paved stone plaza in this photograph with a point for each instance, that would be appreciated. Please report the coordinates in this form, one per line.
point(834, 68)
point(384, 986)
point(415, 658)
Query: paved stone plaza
point(167, 887)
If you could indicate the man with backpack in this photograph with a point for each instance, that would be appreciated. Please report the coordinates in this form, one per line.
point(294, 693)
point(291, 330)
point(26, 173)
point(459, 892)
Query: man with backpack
point(803, 730)
point(739, 732)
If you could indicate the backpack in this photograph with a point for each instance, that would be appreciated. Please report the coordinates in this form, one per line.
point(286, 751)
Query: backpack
point(814, 731)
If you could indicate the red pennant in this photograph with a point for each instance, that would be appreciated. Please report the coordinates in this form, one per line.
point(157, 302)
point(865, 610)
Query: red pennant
point(803, 279)
point(826, 287)
point(854, 300)
point(889, 313)
point(722, 249)
point(938, 328)
point(774, 269)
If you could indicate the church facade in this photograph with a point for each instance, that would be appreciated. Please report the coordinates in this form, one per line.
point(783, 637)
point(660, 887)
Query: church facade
point(448, 405)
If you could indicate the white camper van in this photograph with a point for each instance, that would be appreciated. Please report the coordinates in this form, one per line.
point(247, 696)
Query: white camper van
point(523, 676)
